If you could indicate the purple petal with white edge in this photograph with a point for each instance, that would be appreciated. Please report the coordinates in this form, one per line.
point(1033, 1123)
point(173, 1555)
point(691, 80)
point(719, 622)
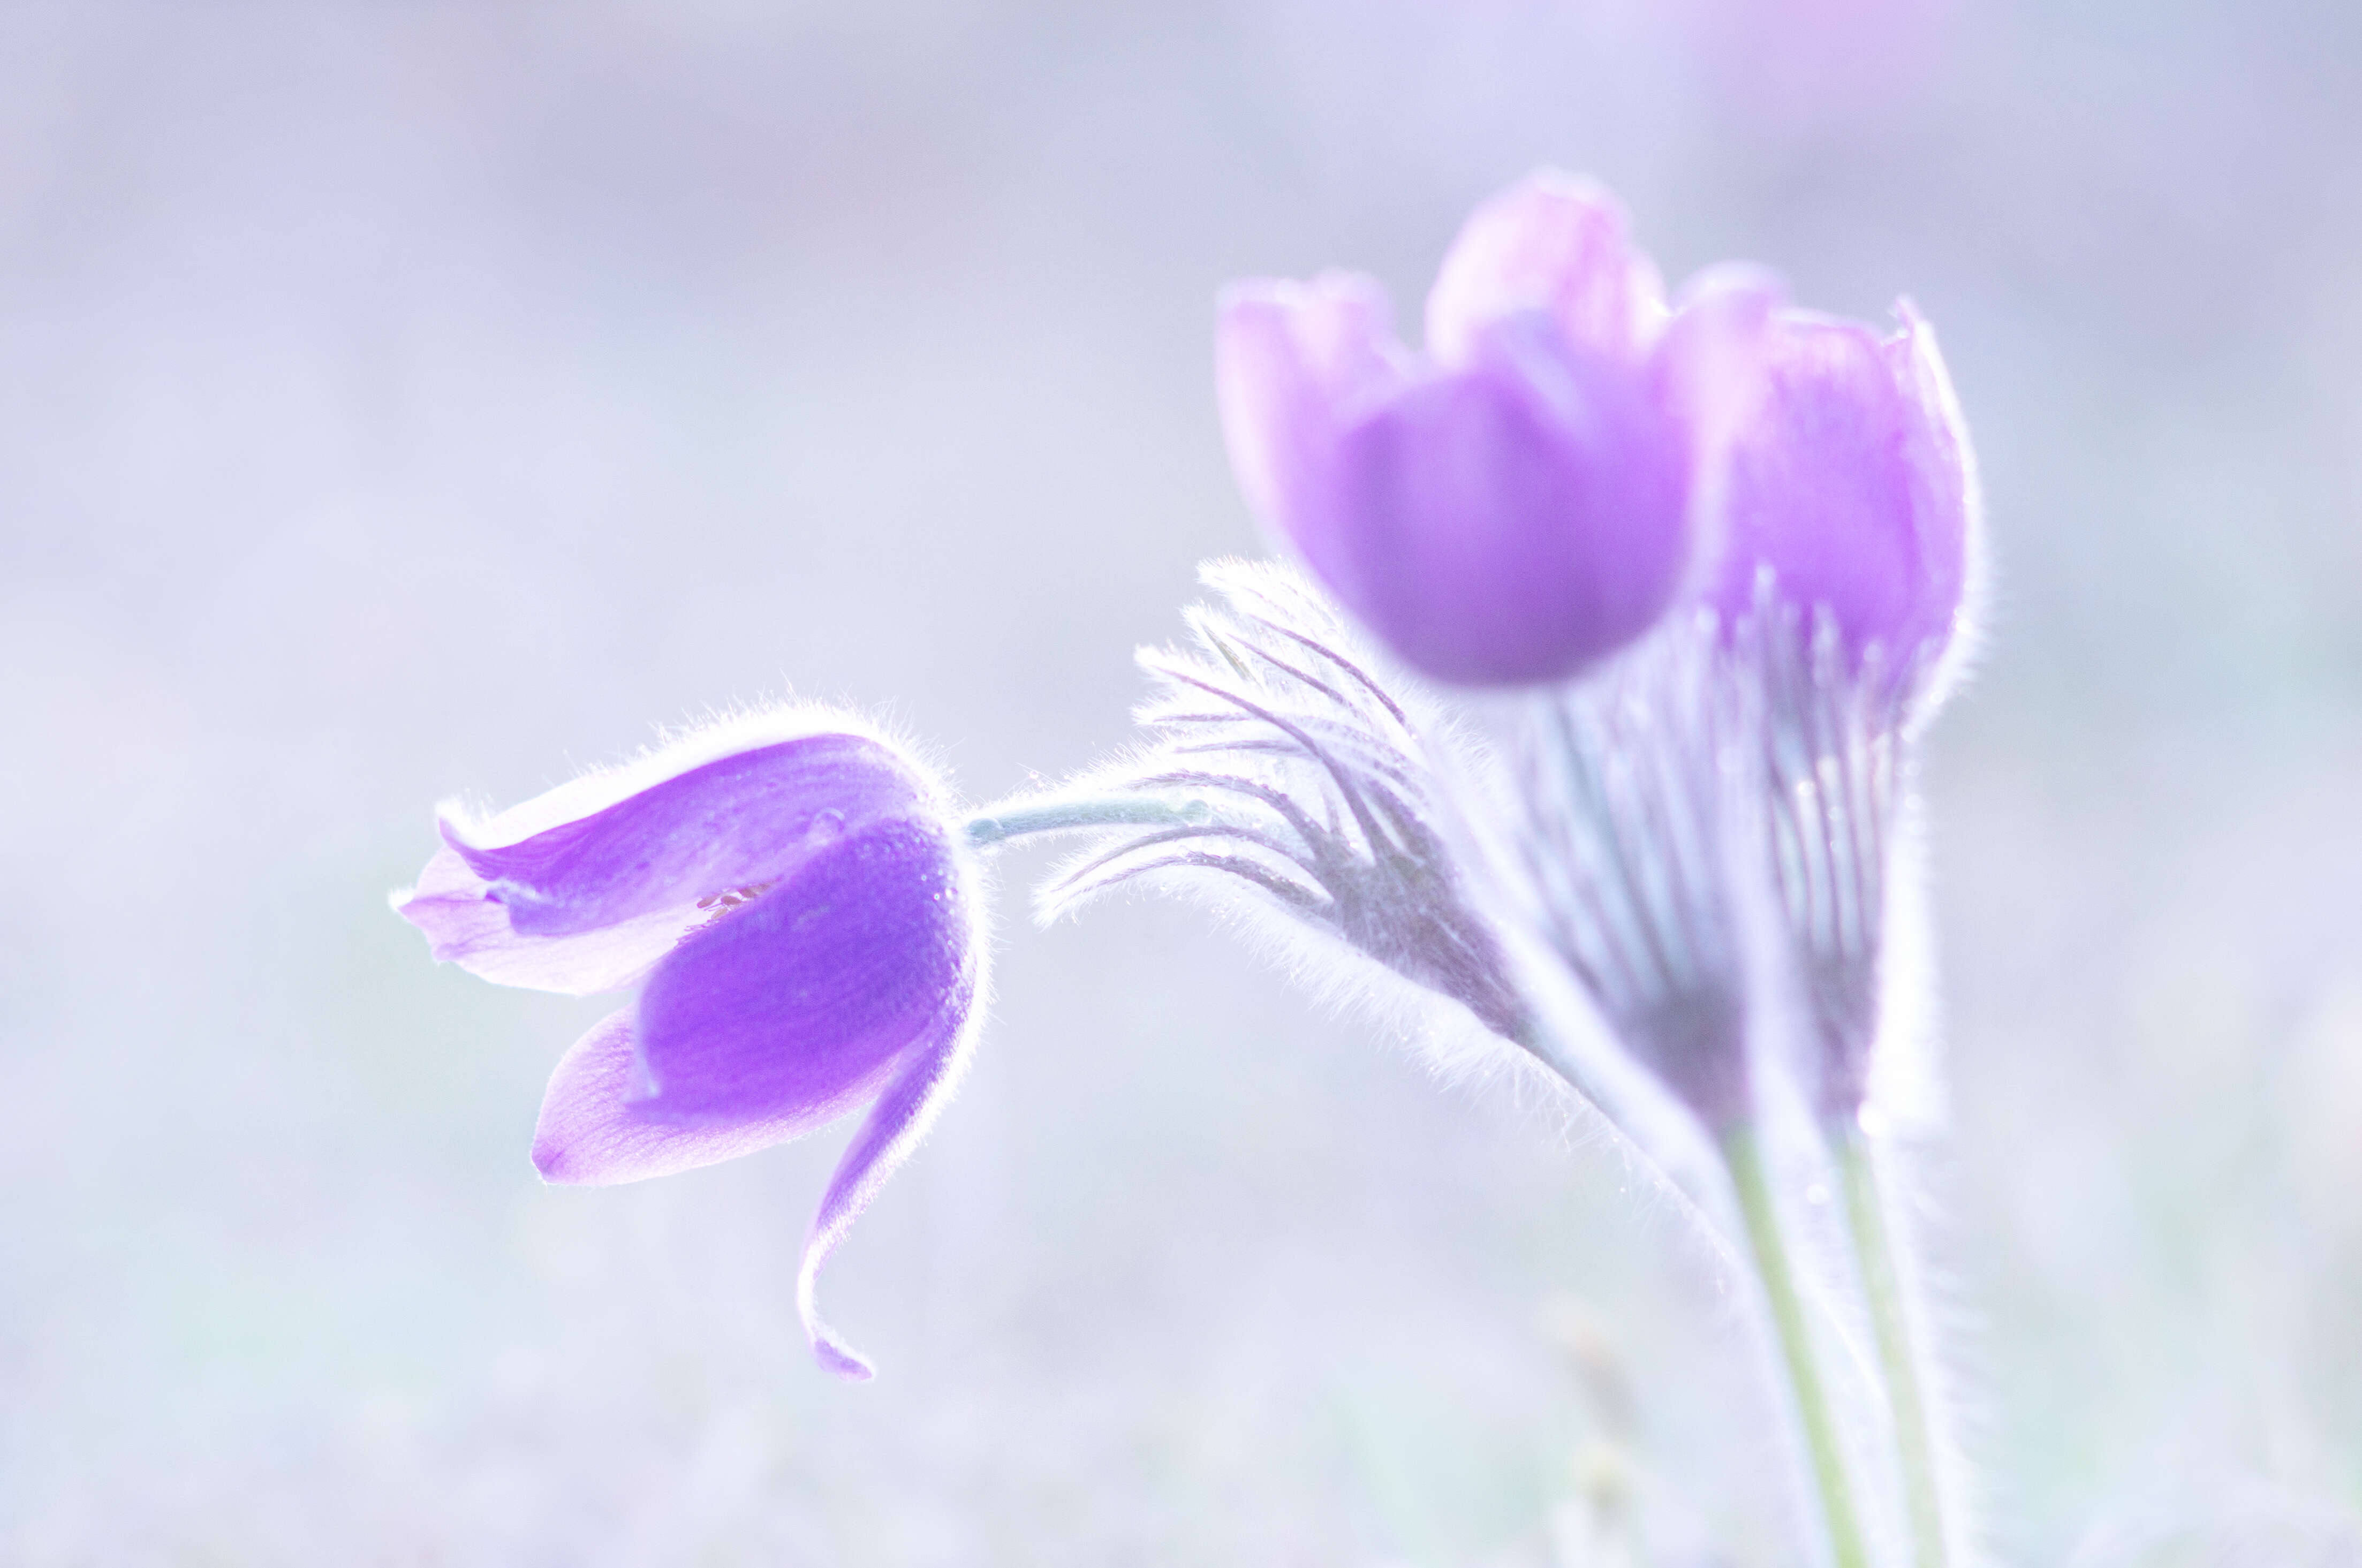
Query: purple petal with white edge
point(1553, 243)
point(1515, 521)
point(737, 822)
point(596, 1129)
point(900, 1119)
point(464, 925)
point(1946, 500)
point(797, 1002)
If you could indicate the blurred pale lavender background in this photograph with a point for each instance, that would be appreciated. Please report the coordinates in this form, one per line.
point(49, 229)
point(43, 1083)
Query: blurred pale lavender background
point(400, 399)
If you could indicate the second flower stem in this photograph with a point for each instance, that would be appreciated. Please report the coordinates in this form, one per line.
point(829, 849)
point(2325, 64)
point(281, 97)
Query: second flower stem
point(1742, 1149)
point(1882, 1282)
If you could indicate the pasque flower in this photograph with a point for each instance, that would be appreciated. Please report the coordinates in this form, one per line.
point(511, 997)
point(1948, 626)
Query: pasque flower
point(799, 917)
point(1851, 529)
point(1850, 537)
point(1517, 503)
point(1721, 552)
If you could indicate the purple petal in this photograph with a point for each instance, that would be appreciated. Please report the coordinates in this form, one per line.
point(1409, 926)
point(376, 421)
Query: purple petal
point(799, 1001)
point(464, 925)
point(896, 1125)
point(1510, 518)
point(1709, 364)
point(1292, 361)
point(780, 1016)
point(737, 822)
point(1515, 521)
point(1555, 244)
point(1822, 488)
point(1708, 374)
point(596, 1129)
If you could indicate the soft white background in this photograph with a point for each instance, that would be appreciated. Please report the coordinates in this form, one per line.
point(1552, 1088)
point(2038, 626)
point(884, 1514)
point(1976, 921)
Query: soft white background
point(400, 399)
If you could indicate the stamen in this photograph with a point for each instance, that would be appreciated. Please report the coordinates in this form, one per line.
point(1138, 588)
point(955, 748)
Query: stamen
point(732, 898)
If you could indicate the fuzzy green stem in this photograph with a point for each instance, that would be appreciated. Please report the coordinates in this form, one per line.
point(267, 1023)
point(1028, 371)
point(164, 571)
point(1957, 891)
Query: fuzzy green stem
point(1882, 1282)
point(989, 829)
point(1742, 1148)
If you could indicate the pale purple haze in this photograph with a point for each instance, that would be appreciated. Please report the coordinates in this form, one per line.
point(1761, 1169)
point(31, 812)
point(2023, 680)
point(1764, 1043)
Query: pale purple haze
point(405, 398)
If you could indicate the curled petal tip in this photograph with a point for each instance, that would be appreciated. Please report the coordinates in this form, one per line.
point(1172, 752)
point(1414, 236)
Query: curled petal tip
point(928, 1075)
point(835, 1357)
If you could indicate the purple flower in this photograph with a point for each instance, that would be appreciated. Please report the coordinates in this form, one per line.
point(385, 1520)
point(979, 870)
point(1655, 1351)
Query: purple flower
point(1853, 486)
point(800, 919)
point(1845, 583)
point(1517, 504)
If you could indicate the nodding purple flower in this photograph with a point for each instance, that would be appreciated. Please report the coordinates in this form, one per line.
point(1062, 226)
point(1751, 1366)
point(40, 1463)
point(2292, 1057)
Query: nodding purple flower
point(1517, 504)
point(1852, 489)
point(800, 916)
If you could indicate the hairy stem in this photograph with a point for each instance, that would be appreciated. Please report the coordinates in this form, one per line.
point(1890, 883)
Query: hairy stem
point(1021, 818)
point(1742, 1148)
point(1866, 1212)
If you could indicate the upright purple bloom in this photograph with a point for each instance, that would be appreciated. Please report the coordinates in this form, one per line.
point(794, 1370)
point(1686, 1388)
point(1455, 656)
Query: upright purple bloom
point(1844, 583)
point(795, 905)
point(1516, 505)
point(1853, 488)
